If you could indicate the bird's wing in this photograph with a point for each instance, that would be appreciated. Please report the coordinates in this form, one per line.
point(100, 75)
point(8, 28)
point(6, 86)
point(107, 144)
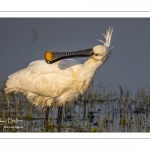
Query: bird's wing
point(44, 79)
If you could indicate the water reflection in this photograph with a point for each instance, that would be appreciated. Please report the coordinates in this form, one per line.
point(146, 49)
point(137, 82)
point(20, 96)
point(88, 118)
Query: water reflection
point(93, 112)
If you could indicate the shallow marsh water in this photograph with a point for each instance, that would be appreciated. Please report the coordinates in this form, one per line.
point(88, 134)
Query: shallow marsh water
point(99, 111)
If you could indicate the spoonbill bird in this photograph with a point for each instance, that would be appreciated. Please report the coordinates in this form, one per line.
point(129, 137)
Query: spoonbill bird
point(57, 81)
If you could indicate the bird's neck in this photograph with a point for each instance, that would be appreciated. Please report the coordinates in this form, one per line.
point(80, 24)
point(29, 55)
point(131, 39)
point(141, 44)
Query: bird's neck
point(85, 74)
point(92, 64)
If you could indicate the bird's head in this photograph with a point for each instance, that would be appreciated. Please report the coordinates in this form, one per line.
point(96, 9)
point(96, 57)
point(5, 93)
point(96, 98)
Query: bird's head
point(99, 52)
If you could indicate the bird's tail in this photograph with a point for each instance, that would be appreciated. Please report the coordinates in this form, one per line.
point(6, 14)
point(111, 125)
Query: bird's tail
point(107, 37)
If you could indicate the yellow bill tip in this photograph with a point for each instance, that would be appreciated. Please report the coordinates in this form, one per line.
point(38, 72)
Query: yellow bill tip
point(48, 56)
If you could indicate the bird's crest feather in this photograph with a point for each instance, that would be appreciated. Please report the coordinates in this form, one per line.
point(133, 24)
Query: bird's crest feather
point(107, 37)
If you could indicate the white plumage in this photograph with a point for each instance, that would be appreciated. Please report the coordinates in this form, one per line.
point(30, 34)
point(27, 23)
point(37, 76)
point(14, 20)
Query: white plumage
point(59, 83)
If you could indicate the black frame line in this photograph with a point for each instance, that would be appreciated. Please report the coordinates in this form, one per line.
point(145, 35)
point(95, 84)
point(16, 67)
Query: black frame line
point(76, 138)
point(76, 11)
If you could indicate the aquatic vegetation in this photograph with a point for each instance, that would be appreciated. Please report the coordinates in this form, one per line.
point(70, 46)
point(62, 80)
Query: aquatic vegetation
point(96, 111)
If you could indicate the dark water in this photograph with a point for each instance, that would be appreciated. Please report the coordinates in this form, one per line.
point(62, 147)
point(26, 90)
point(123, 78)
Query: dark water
point(93, 112)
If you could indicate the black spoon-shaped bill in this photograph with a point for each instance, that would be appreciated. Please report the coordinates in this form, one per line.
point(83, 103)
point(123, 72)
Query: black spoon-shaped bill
point(51, 57)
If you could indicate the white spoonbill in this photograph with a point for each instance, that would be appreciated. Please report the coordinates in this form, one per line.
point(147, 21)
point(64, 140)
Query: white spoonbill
point(54, 82)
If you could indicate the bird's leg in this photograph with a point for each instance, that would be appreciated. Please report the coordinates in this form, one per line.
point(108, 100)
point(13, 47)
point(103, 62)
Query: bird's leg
point(8, 113)
point(8, 108)
point(59, 115)
point(46, 115)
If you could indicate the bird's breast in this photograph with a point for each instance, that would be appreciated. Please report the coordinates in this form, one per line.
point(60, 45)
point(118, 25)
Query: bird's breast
point(81, 82)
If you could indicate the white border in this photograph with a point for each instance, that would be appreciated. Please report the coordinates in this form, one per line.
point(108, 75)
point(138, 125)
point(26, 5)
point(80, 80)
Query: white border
point(75, 135)
point(74, 5)
point(65, 14)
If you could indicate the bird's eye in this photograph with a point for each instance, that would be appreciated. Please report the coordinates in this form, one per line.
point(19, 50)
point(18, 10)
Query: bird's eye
point(96, 54)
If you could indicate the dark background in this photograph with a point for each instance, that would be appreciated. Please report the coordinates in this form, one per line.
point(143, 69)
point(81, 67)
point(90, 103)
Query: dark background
point(23, 40)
